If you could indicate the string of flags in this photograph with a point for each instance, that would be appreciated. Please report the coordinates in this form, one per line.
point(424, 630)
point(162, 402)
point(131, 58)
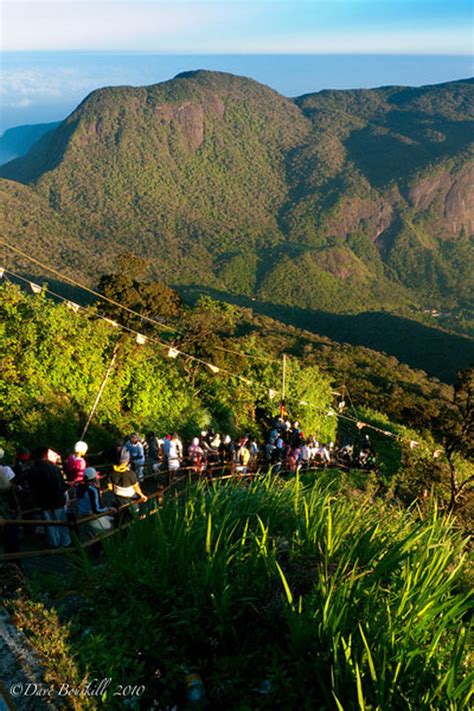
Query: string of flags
point(82, 286)
point(173, 353)
point(157, 321)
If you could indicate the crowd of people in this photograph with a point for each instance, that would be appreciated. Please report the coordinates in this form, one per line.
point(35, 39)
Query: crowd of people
point(46, 486)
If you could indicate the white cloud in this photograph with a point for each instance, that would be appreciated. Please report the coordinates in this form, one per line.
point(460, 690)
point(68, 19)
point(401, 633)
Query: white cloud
point(21, 88)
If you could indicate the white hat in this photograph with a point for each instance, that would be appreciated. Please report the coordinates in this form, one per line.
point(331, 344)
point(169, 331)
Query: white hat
point(80, 447)
point(195, 441)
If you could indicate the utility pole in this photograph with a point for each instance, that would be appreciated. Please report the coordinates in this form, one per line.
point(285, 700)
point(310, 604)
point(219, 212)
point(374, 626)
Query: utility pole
point(101, 390)
point(283, 379)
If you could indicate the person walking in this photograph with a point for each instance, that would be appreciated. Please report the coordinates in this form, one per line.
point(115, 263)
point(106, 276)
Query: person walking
point(89, 502)
point(137, 455)
point(48, 489)
point(196, 456)
point(174, 455)
point(153, 450)
point(124, 483)
point(76, 464)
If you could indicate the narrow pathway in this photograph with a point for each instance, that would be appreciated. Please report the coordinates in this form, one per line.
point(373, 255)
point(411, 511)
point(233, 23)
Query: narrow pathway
point(20, 671)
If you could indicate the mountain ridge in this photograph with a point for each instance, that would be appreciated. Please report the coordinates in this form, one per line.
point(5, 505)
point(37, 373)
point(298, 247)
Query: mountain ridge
point(337, 200)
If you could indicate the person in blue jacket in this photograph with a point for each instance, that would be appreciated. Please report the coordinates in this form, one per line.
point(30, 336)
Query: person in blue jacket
point(89, 502)
point(137, 455)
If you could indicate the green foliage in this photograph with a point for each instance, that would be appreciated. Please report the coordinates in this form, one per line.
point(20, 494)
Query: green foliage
point(302, 590)
point(54, 364)
point(52, 642)
point(127, 287)
point(308, 384)
point(53, 367)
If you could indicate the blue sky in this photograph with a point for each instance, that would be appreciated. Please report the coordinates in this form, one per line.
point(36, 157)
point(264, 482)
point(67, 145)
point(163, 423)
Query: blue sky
point(231, 26)
point(54, 53)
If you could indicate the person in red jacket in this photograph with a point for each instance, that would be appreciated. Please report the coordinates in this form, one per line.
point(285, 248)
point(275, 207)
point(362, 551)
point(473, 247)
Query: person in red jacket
point(76, 464)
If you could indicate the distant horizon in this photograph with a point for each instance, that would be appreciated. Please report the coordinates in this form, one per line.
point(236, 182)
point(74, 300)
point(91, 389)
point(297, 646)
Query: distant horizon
point(37, 88)
point(190, 52)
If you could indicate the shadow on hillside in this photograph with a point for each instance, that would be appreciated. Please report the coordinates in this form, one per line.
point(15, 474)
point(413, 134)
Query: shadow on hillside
point(43, 156)
point(64, 290)
point(407, 140)
point(439, 353)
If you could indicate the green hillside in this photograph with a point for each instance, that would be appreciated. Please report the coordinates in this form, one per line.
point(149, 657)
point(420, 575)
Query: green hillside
point(340, 201)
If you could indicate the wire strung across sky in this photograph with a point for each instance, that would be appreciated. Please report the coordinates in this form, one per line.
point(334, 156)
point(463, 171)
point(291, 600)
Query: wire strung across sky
point(99, 295)
point(173, 352)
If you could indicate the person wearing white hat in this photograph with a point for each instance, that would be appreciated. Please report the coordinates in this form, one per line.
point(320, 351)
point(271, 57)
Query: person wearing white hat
point(123, 481)
point(76, 464)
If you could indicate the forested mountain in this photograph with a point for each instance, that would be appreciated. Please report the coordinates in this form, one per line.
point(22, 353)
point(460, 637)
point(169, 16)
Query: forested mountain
point(337, 201)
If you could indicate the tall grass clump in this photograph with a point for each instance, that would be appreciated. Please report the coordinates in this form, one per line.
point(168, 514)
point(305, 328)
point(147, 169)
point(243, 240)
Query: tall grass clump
point(284, 595)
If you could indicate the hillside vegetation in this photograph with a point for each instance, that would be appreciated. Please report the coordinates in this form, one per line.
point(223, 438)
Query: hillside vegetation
point(319, 591)
point(337, 201)
point(54, 364)
point(285, 595)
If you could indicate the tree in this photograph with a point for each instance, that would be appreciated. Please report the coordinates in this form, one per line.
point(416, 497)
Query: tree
point(310, 398)
point(458, 434)
point(151, 299)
